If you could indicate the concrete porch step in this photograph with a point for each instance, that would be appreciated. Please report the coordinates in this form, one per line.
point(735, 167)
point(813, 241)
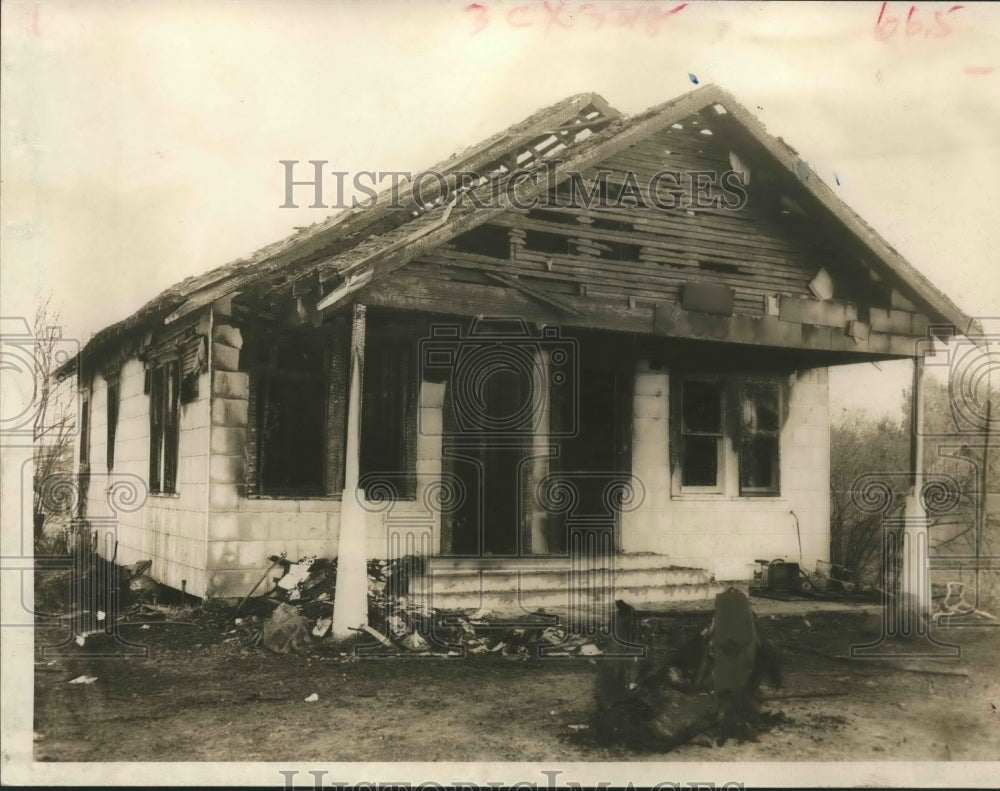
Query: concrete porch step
point(636, 560)
point(529, 600)
point(559, 582)
point(530, 579)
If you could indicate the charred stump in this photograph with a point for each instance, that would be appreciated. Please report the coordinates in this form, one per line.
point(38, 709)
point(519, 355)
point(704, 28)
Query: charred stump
point(710, 683)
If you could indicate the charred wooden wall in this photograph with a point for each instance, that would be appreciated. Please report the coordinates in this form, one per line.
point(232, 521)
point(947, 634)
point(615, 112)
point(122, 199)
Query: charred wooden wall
point(625, 268)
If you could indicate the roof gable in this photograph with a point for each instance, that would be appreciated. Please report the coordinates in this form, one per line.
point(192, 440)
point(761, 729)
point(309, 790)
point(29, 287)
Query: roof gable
point(352, 271)
point(672, 210)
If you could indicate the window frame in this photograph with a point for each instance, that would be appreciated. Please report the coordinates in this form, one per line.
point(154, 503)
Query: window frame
point(731, 442)
point(264, 374)
point(719, 487)
point(335, 336)
point(112, 412)
point(84, 438)
point(390, 356)
point(164, 425)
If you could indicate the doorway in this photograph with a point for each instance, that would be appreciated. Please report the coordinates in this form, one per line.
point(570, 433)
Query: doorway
point(487, 446)
point(590, 427)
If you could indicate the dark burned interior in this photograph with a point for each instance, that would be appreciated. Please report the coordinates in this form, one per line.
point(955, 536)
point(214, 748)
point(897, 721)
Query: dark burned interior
point(298, 406)
point(298, 415)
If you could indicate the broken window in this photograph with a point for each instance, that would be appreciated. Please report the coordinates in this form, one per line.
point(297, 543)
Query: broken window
point(389, 408)
point(760, 429)
point(114, 395)
point(702, 403)
point(291, 404)
point(729, 422)
point(164, 434)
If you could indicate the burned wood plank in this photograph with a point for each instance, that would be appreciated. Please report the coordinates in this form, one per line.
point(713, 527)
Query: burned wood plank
point(825, 196)
point(676, 240)
point(858, 330)
point(466, 299)
point(538, 294)
point(660, 137)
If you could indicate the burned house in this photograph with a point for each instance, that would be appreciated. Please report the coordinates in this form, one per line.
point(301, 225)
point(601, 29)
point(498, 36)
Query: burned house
point(607, 350)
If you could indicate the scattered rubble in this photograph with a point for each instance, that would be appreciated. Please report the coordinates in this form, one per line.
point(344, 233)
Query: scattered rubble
point(787, 581)
point(953, 605)
point(298, 612)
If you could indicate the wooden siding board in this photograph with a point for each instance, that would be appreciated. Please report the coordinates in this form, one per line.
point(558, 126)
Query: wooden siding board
point(599, 277)
point(673, 239)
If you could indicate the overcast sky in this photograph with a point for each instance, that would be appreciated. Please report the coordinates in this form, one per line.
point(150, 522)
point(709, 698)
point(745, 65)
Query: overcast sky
point(142, 140)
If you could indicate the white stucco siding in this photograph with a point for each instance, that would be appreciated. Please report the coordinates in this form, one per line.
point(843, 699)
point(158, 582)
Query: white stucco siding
point(170, 529)
point(724, 533)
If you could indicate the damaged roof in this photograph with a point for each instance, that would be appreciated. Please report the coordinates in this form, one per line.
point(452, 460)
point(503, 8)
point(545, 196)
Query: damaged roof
point(354, 247)
point(350, 229)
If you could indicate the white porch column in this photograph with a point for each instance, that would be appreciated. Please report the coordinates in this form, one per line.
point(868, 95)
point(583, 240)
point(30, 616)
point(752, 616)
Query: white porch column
point(350, 608)
point(915, 585)
point(541, 452)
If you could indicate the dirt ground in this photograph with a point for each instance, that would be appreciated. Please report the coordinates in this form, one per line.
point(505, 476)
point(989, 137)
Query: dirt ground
point(203, 695)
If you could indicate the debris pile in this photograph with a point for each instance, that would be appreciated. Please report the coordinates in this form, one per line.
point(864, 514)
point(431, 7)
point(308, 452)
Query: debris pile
point(708, 685)
point(286, 630)
point(953, 604)
point(787, 581)
point(298, 613)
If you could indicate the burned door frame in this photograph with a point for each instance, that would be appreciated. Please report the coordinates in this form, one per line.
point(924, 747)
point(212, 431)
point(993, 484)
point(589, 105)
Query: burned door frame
point(612, 357)
point(473, 433)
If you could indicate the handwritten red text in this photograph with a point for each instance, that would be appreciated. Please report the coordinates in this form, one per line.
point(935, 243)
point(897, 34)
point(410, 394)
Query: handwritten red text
point(548, 15)
point(912, 22)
